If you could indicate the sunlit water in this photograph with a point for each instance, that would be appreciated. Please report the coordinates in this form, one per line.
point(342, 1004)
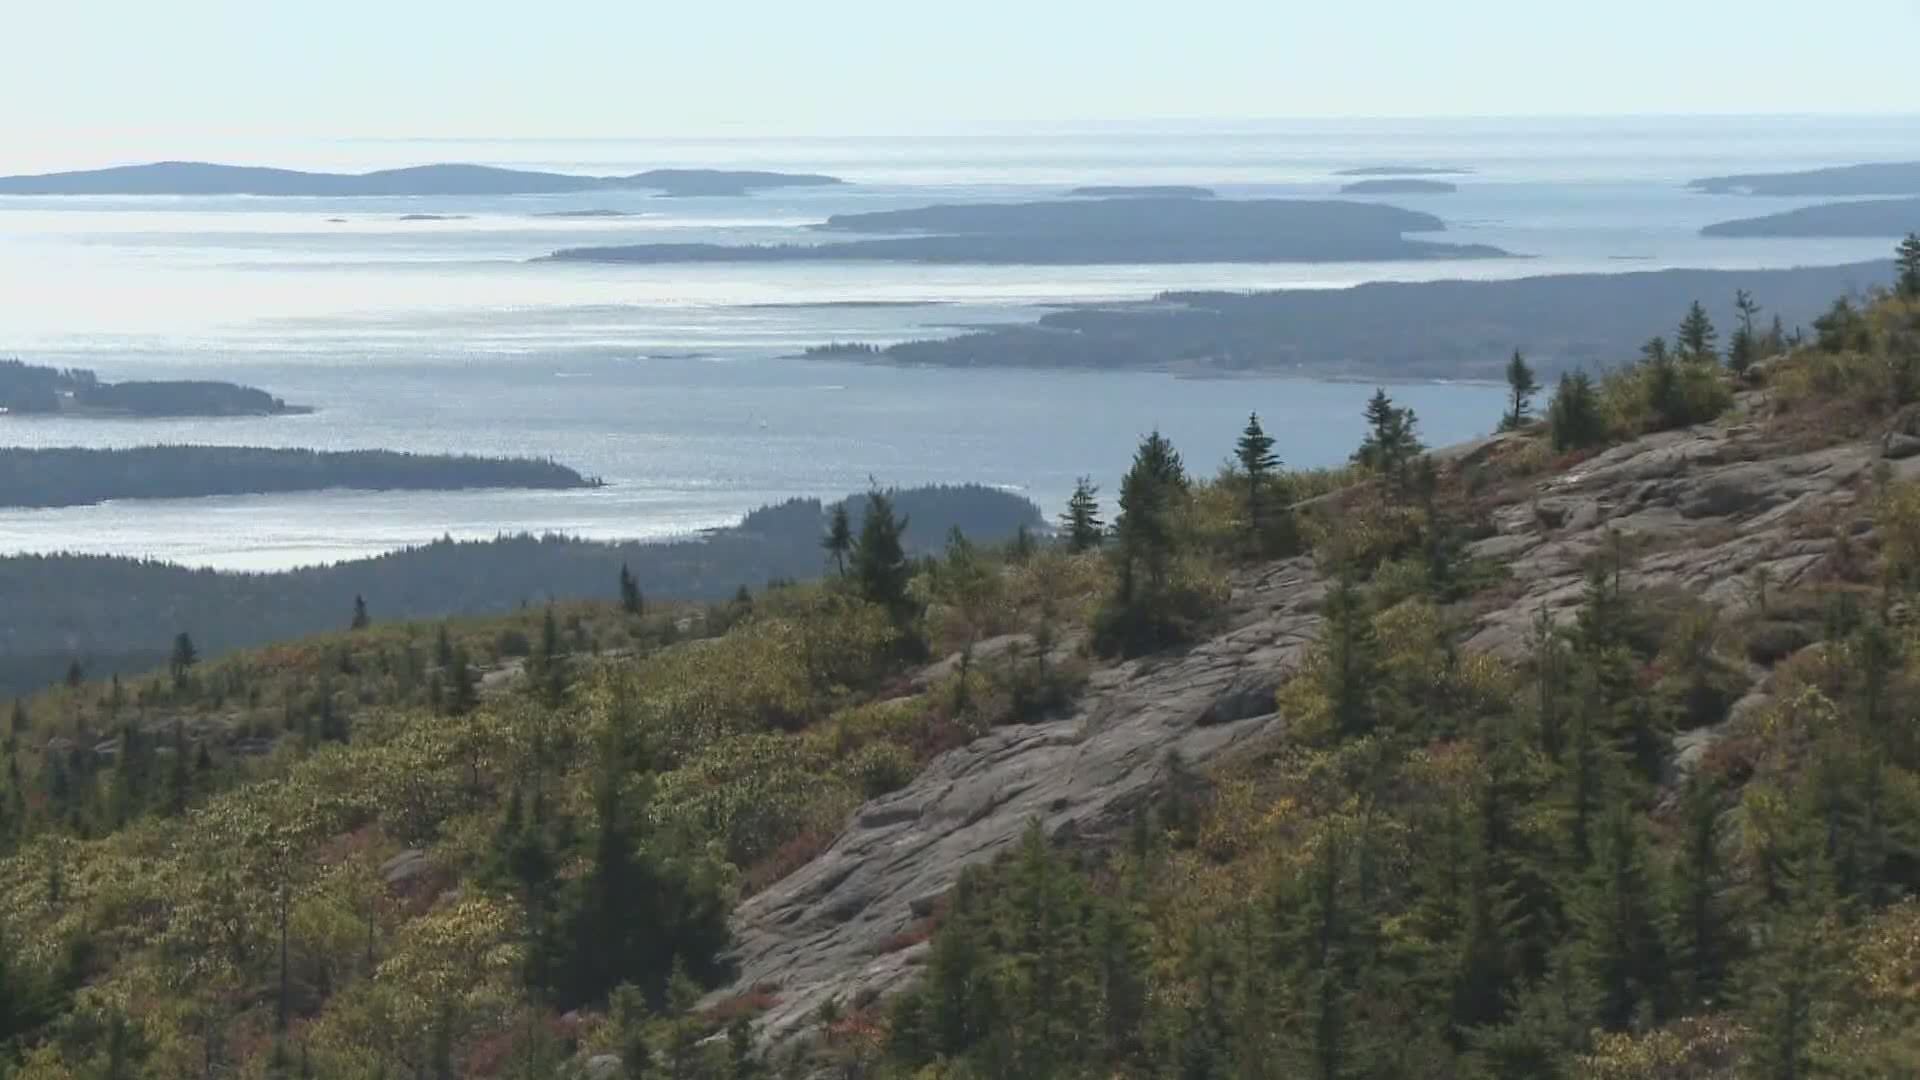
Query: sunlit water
point(678, 385)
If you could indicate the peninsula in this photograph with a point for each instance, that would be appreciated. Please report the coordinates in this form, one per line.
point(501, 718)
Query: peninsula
point(1398, 187)
point(1096, 231)
point(1142, 191)
point(1402, 170)
point(1884, 178)
point(1872, 217)
point(203, 178)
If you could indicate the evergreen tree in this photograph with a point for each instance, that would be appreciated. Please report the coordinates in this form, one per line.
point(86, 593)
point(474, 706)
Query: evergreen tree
point(19, 723)
point(880, 566)
point(1392, 436)
point(1617, 942)
point(1705, 931)
point(1697, 336)
point(1139, 615)
point(442, 647)
point(1744, 348)
point(360, 619)
point(1081, 522)
point(1521, 386)
point(1352, 675)
point(75, 674)
point(550, 663)
point(1257, 463)
point(462, 694)
point(1573, 416)
point(839, 539)
point(1908, 283)
point(183, 658)
point(631, 601)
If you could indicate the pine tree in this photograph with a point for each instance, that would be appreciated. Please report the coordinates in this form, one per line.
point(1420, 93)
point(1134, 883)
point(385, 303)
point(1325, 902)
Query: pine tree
point(1138, 616)
point(1521, 385)
point(880, 566)
point(75, 674)
point(1392, 436)
point(462, 696)
point(360, 619)
point(1744, 348)
point(1352, 673)
point(1081, 521)
point(631, 601)
point(1908, 283)
point(442, 647)
point(1705, 932)
point(1697, 336)
point(1617, 944)
point(839, 539)
point(1573, 416)
point(1257, 463)
point(183, 658)
point(550, 663)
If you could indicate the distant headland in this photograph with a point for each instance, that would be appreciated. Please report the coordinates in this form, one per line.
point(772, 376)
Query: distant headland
point(1142, 191)
point(202, 178)
point(1880, 178)
point(1403, 170)
point(1093, 232)
point(27, 390)
point(1872, 217)
point(1399, 187)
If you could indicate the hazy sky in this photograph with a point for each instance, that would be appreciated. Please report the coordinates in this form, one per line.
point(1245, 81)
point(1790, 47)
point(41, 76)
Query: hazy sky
point(75, 71)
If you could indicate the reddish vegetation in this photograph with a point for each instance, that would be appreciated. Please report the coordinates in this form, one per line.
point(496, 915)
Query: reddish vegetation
point(785, 859)
point(752, 1003)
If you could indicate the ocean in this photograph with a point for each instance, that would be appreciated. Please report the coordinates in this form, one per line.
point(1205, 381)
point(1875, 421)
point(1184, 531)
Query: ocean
point(680, 386)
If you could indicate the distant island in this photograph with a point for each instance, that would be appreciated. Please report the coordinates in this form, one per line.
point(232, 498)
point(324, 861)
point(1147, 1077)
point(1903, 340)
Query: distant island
point(202, 178)
point(585, 213)
point(1403, 170)
point(29, 390)
point(1142, 191)
point(1885, 178)
point(436, 217)
point(1097, 231)
point(1385, 330)
point(1874, 217)
point(75, 476)
point(1399, 187)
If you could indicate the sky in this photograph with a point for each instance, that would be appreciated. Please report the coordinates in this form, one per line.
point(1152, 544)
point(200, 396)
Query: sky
point(95, 75)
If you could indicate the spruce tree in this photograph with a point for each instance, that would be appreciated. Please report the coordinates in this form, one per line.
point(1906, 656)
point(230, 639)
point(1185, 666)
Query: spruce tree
point(1705, 931)
point(462, 694)
point(1081, 521)
point(1744, 348)
point(631, 601)
point(1908, 283)
point(1521, 385)
point(1392, 436)
point(839, 539)
point(1617, 945)
point(360, 619)
point(183, 658)
point(1257, 463)
point(1138, 616)
point(1352, 675)
point(1573, 417)
point(1697, 336)
point(880, 566)
point(19, 723)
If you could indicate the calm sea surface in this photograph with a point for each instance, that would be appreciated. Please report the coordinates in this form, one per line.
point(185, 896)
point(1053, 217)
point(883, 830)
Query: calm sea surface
point(677, 383)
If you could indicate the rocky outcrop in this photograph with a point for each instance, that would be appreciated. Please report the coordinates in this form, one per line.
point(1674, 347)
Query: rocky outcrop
point(830, 930)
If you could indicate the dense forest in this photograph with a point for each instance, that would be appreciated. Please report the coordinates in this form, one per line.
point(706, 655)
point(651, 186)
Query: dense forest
point(1386, 330)
point(510, 847)
point(31, 390)
point(114, 614)
point(74, 476)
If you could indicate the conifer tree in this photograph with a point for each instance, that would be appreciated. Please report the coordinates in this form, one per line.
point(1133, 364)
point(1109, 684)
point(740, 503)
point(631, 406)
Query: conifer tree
point(1521, 386)
point(839, 539)
point(631, 601)
point(76, 674)
point(1744, 348)
point(1697, 336)
point(1257, 463)
point(19, 723)
point(1352, 673)
point(442, 647)
point(1617, 945)
point(1908, 282)
point(880, 566)
point(462, 696)
point(1081, 521)
point(1138, 616)
point(1392, 436)
point(360, 619)
point(1705, 931)
point(183, 658)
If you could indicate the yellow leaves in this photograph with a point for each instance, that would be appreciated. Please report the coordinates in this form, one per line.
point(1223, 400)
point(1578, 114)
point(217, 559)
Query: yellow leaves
point(1693, 1049)
point(1897, 522)
point(1887, 959)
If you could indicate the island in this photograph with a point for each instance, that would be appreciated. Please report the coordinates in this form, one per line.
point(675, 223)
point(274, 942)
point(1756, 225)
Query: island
point(1882, 178)
point(76, 476)
point(29, 390)
point(600, 213)
point(1142, 191)
point(1873, 217)
point(1092, 232)
point(203, 178)
point(436, 217)
point(1385, 330)
point(1403, 170)
point(1398, 187)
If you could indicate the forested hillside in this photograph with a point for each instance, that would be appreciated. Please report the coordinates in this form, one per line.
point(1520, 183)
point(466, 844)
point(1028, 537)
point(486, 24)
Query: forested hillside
point(1585, 751)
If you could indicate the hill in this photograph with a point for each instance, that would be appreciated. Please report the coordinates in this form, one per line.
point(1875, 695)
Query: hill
point(1095, 231)
point(1890, 178)
point(1873, 217)
point(73, 476)
point(1578, 751)
point(117, 614)
point(1388, 330)
point(203, 178)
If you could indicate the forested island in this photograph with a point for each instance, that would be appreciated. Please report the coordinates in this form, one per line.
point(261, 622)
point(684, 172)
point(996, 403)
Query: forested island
point(29, 390)
point(1872, 217)
point(203, 178)
point(1095, 231)
point(1385, 330)
point(103, 610)
point(1398, 187)
point(1142, 191)
point(76, 476)
point(1402, 170)
point(1886, 178)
